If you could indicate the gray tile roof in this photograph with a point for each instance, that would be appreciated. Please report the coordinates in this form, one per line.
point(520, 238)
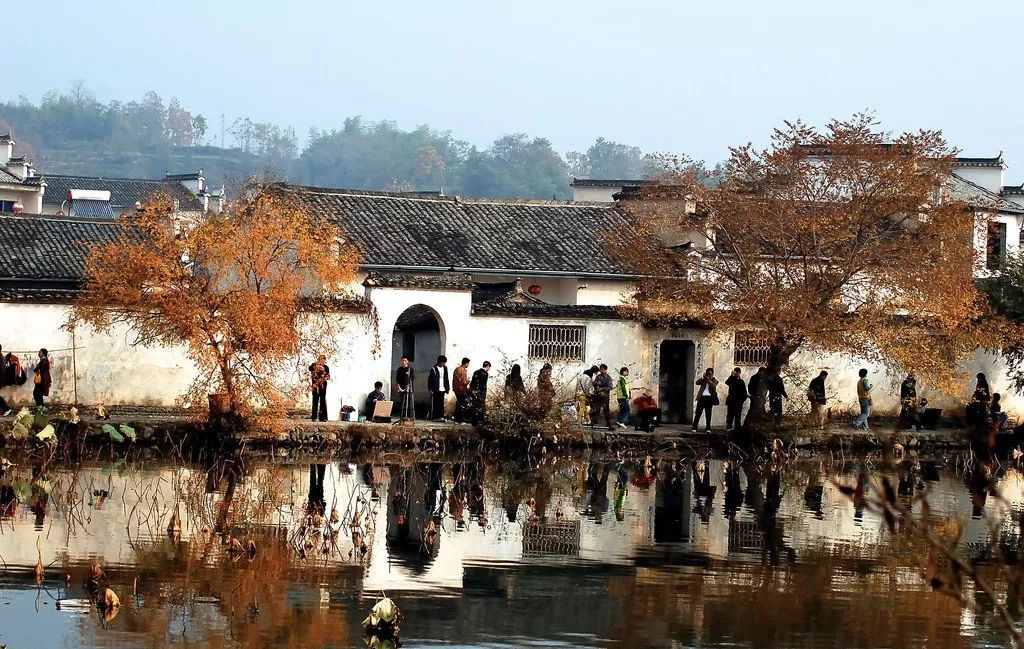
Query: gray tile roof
point(447, 281)
point(508, 299)
point(46, 248)
point(471, 235)
point(980, 197)
point(9, 178)
point(124, 192)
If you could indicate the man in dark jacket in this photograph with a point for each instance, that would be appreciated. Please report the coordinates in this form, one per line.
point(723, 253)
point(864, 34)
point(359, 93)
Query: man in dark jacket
point(776, 393)
point(478, 393)
point(816, 395)
point(439, 386)
point(602, 392)
point(756, 410)
point(734, 401)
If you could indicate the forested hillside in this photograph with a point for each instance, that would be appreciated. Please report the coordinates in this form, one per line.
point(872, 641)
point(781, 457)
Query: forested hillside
point(74, 132)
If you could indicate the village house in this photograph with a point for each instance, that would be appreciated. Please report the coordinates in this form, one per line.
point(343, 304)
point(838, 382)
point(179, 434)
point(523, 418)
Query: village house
point(20, 188)
point(509, 281)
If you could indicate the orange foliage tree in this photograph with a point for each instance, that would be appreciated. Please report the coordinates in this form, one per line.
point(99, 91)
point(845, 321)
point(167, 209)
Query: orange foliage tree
point(845, 239)
point(248, 291)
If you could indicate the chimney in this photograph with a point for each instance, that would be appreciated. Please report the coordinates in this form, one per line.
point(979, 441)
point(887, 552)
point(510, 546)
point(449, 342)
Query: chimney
point(6, 148)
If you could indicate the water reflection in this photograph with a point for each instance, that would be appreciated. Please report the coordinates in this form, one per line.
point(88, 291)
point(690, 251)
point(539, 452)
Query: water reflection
point(575, 551)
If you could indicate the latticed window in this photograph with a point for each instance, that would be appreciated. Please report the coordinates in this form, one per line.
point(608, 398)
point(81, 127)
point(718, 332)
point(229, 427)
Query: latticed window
point(558, 342)
point(751, 348)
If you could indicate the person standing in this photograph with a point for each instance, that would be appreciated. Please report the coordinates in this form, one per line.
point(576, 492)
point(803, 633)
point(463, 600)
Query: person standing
point(478, 392)
point(602, 393)
point(622, 395)
point(584, 392)
point(514, 384)
point(707, 398)
point(756, 396)
point(545, 389)
point(776, 393)
point(460, 386)
point(404, 386)
point(816, 395)
point(319, 375)
point(438, 385)
point(908, 402)
point(5, 368)
point(979, 402)
point(864, 388)
point(734, 400)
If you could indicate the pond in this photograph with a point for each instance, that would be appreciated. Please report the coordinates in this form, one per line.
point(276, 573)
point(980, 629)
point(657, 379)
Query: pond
point(573, 551)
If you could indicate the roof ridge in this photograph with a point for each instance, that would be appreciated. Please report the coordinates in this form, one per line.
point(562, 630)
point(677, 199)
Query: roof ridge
point(134, 180)
point(477, 200)
point(25, 216)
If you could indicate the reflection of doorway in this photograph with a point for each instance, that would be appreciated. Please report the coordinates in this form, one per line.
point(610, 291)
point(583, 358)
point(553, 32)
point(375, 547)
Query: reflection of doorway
point(675, 380)
point(419, 336)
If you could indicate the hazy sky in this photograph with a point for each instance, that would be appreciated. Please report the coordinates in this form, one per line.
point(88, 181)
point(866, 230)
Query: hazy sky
point(666, 76)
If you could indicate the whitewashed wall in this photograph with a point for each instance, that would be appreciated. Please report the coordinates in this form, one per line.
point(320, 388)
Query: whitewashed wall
point(108, 368)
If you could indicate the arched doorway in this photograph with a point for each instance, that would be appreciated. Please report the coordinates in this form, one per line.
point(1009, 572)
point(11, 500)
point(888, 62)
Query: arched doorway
point(419, 336)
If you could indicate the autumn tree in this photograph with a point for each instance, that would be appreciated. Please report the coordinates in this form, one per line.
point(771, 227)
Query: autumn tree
point(845, 239)
point(246, 291)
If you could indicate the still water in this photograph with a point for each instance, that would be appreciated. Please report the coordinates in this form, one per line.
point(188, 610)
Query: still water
point(577, 551)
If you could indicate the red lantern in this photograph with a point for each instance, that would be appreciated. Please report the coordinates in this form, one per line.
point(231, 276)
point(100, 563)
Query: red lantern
point(534, 289)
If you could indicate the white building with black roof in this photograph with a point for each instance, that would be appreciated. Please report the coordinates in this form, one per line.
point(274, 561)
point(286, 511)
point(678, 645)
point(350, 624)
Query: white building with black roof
point(508, 281)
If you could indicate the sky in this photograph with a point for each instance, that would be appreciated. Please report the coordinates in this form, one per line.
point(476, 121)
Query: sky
point(673, 76)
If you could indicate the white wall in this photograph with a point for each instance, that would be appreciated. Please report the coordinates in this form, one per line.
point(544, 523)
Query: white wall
point(595, 194)
point(991, 178)
point(32, 199)
point(603, 292)
point(108, 368)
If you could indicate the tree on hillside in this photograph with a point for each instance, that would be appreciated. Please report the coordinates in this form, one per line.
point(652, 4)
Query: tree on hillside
point(843, 240)
point(247, 291)
point(515, 166)
point(607, 159)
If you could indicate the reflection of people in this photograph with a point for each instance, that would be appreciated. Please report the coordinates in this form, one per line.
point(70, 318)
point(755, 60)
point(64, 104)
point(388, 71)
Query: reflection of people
point(319, 375)
point(317, 504)
point(404, 386)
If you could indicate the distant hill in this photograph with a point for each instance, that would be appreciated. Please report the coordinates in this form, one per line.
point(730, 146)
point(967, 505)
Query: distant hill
point(72, 132)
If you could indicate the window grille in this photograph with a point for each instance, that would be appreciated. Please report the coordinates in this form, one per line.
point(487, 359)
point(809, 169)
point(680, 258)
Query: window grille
point(558, 342)
point(751, 348)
